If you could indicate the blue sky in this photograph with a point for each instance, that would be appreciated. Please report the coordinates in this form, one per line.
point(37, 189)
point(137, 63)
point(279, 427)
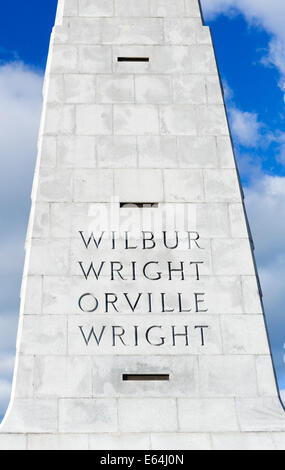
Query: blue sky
point(249, 38)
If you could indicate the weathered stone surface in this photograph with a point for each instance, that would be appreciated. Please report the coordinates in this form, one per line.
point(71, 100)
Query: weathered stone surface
point(182, 441)
point(31, 415)
point(96, 8)
point(147, 414)
point(13, 441)
point(132, 441)
point(87, 415)
point(57, 442)
point(218, 415)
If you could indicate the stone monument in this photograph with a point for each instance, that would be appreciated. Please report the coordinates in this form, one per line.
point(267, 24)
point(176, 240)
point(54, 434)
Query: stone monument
point(141, 323)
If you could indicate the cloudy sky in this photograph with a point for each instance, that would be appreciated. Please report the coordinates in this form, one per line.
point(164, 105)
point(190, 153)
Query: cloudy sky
point(249, 38)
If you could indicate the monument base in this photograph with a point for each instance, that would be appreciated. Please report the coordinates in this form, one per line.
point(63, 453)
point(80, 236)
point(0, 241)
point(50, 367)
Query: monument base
point(149, 423)
point(142, 441)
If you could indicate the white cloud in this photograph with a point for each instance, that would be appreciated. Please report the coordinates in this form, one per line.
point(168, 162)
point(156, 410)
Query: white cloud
point(6, 372)
point(249, 131)
point(267, 14)
point(212, 8)
point(280, 139)
point(5, 392)
point(228, 92)
point(8, 329)
point(265, 200)
point(7, 364)
point(265, 203)
point(245, 127)
point(20, 98)
point(250, 166)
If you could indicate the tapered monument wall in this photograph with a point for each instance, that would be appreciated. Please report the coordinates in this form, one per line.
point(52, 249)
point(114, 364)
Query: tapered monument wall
point(141, 322)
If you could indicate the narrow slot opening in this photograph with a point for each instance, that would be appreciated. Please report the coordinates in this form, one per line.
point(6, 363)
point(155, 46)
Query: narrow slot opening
point(133, 59)
point(139, 205)
point(145, 377)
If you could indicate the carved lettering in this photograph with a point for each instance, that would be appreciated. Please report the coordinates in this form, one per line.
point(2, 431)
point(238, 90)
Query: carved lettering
point(163, 270)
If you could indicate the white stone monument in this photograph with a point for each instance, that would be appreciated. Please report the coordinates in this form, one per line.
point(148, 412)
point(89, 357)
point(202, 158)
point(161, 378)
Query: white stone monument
point(141, 323)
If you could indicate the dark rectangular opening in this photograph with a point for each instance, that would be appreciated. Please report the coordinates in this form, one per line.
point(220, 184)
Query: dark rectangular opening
point(133, 59)
point(145, 377)
point(139, 205)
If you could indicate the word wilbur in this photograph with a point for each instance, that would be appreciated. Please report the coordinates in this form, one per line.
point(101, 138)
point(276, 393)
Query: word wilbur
point(145, 240)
